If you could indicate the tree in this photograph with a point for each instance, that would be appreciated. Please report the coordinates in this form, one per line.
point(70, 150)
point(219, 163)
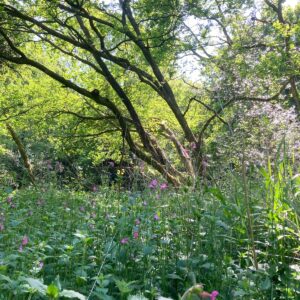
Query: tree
point(96, 37)
point(256, 57)
point(104, 50)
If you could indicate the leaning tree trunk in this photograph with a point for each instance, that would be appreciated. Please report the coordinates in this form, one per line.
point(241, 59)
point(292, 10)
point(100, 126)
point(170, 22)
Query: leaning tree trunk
point(22, 152)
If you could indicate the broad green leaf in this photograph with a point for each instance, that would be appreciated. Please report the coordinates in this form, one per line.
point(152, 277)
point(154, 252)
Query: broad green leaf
point(72, 294)
point(37, 284)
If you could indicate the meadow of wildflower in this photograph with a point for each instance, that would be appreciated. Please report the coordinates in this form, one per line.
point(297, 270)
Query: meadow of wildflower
point(239, 239)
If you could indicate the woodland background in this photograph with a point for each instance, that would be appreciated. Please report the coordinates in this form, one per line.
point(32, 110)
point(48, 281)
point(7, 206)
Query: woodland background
point(146, 146)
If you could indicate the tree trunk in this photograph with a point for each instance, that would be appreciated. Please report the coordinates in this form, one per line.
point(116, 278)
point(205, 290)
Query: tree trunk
point(22, 152)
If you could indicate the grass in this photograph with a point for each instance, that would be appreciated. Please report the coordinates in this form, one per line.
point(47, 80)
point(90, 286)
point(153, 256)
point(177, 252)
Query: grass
point(240, 238)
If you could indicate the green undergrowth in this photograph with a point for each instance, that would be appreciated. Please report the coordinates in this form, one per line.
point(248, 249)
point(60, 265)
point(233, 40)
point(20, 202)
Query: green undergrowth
point(240, 237)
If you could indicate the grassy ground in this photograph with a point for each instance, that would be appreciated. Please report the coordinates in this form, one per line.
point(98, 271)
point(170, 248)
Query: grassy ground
point(240, 237)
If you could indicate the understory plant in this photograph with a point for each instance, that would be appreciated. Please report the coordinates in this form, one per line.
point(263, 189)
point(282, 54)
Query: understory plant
point(156, 243)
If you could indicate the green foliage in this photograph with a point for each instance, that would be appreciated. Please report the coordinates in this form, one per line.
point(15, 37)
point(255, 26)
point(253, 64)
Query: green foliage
point(237, 232)
point(85, 242)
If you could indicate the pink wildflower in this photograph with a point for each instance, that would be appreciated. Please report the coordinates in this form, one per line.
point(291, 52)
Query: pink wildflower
point(164, 186)
point(214, 295)
point(153, 184)
point(41, 264)
point(211, 296)
point(9, 199)
point(193, 145)
point(137, 221)
point(1, 227)
point(135, 235)
point(156, 217)
point(124, 240)
point(145, 203)
point(25, 240)
point(81, 208)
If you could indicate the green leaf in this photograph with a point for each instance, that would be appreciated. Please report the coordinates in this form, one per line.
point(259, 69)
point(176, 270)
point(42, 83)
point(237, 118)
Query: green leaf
point(266, 284)
point(52, 291)
point(208, 266)
point(3, 268)
point(136, 297)
point(57, 283)
point(124, 287)
point(101, 293)
point(174, 276)
point(72, 294)
point(217, 193)
point(5, 278)
point(239, 293)
point(222, 224)
point(37, 284)
point(147, 250)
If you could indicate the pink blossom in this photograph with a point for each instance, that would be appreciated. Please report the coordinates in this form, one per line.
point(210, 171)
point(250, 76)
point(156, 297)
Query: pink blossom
point(137, 221)
point(164, 186)
point(135, 235)
point(124, 240)
point(214, 295)
point(25, 240)
point(193, 145)
point(153, 184)
point(81, 208)
point(185, 153)
point(41, 264)
point(156, 217)
point(9, 199)
point(211, 296)
point(21, 248)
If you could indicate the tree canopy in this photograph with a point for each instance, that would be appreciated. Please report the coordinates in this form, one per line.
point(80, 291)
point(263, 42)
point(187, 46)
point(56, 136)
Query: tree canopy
point(118, 71)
